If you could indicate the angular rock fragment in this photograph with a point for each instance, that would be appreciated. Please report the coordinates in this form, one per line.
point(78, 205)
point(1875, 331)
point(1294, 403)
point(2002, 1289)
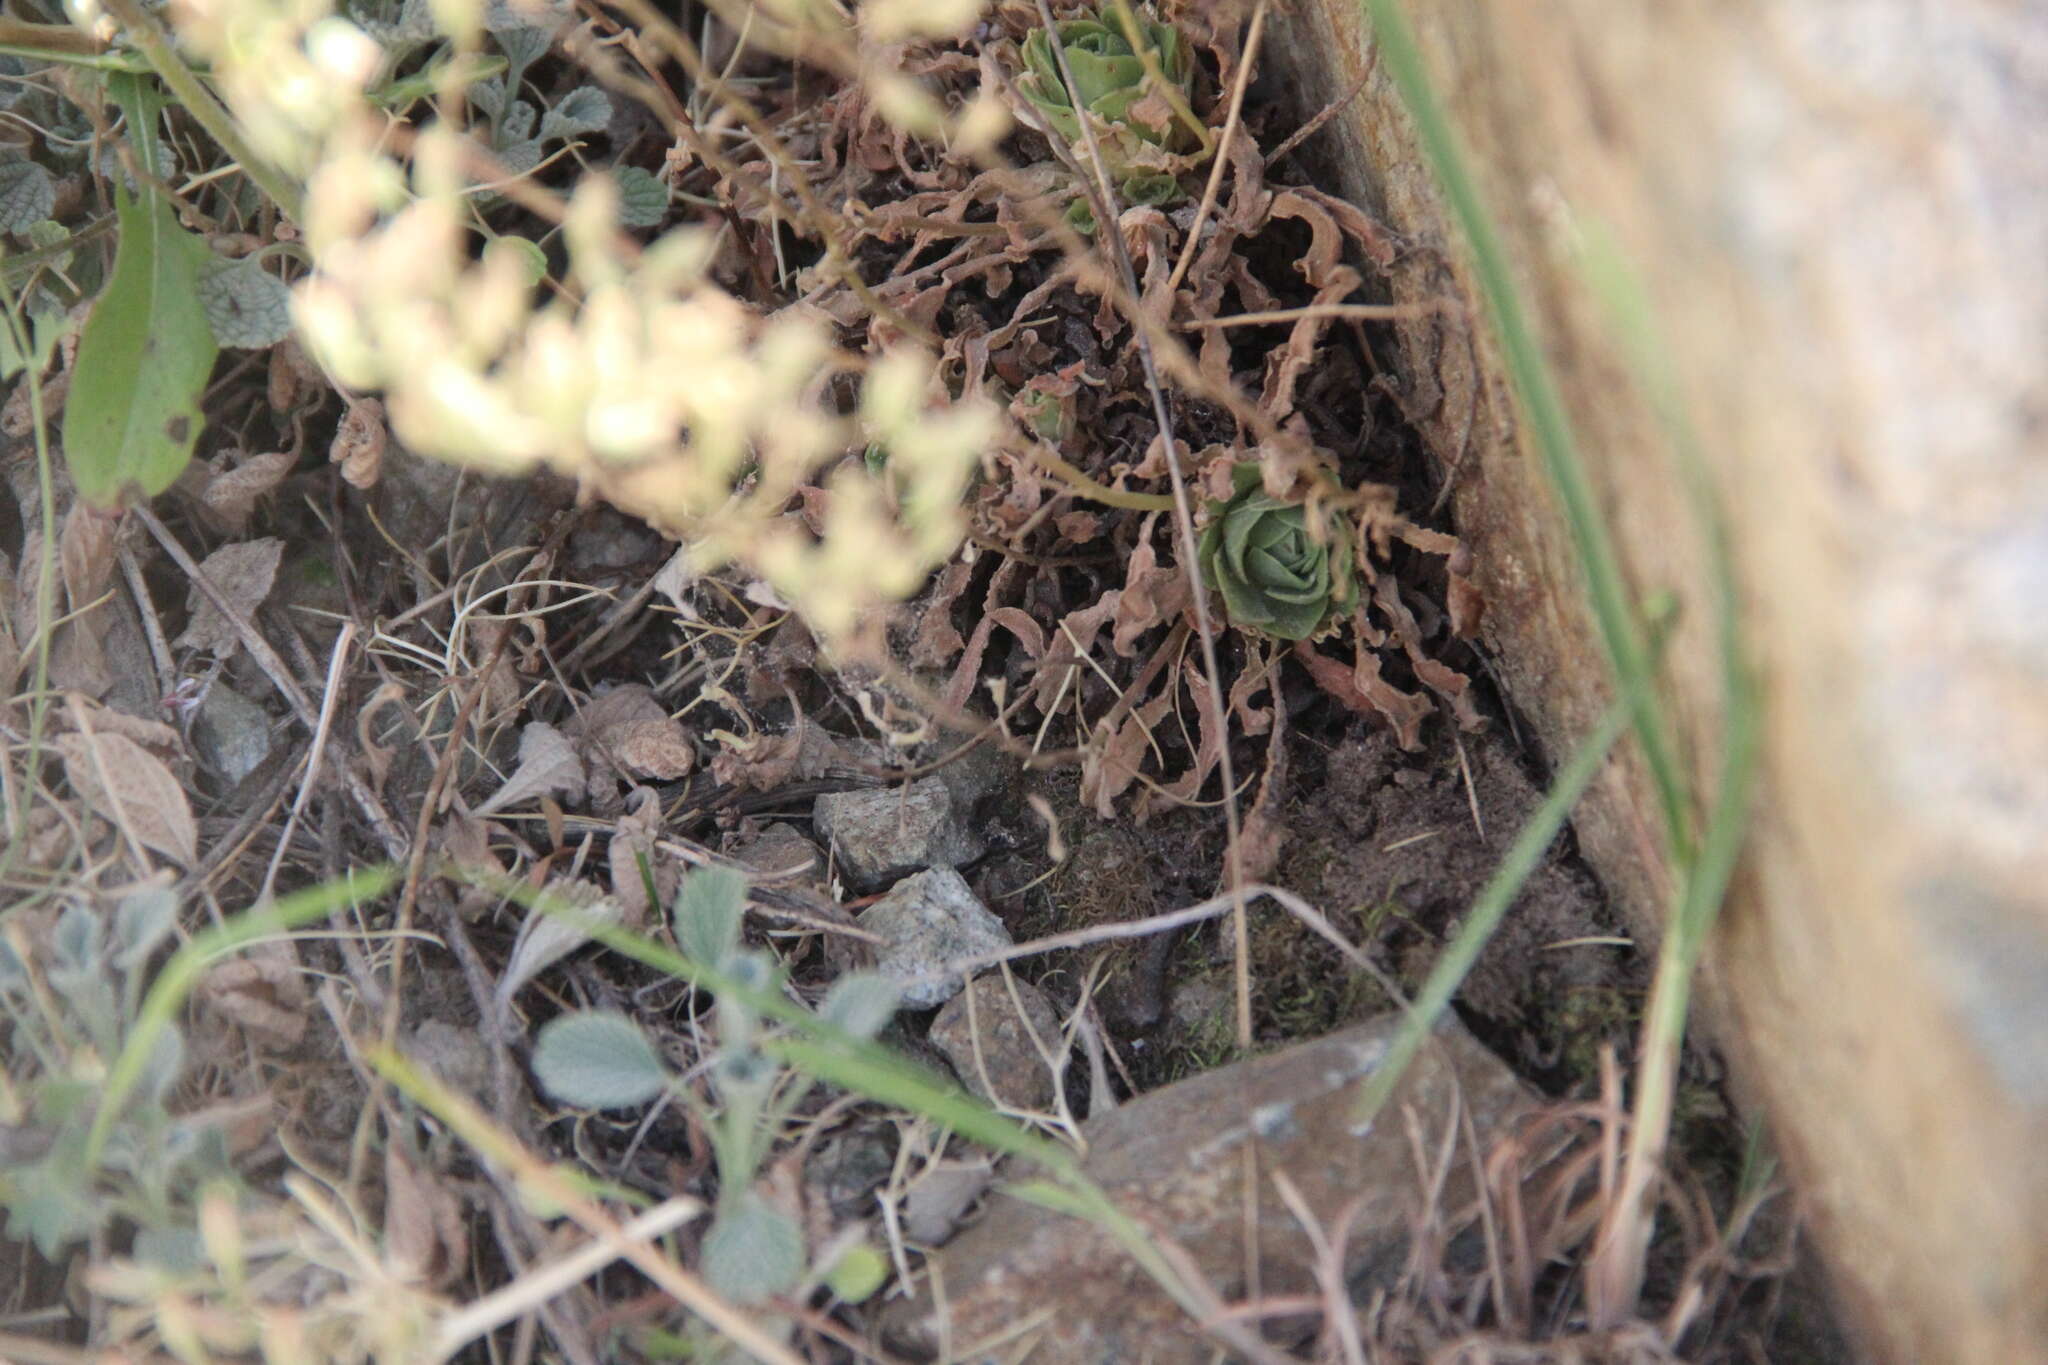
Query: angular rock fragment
point(1175, 1160)
point(997, 1045)
point(924, 923)
point(883, 833)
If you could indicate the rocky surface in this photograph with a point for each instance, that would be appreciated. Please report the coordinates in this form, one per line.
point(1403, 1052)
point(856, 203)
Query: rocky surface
point(881, 834)
point(1175, 1160)
point(1000, 1048)
point(925, 922)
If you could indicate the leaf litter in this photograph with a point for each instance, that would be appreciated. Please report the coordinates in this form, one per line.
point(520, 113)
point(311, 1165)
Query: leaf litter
point(1067, 617)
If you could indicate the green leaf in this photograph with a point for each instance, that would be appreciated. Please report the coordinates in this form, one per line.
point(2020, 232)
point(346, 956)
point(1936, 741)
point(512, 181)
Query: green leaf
point(860, 1003)
point(489, 95)
point(754, 1250)
point(643, 199)
point(709, 905)
point(246, 306)
point(133, 415)
point(26, 195)
point(141, 920)
point(516, 125)
point(522, 47)
point(583, 110)
point(75, 943)
point(857, 1274)
point(597, 1059)
point(532, 259)
point(165, 1063)
point(51, 1207)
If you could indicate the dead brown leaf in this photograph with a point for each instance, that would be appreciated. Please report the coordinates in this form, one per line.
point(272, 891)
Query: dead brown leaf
point(231, 495)
point(758, 762)
point(359, 442)
point(545, 939)
point(1362, 689)
point(628, 729)
point(548, 763)
point(633, 842)
point(264, 991)
point(243, 574)
point(656, 749)
point(292, 378)
point(425, 1240)
point(1152, 595)
point(85, 554)
point(936, 642)
point(160, 739)
point(377, 756)
point(133, 788)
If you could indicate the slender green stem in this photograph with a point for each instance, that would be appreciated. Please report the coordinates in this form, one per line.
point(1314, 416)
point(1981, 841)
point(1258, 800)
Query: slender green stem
point(1096, 491)
point(38, 350)
point(1620, 630)
point(149, 35)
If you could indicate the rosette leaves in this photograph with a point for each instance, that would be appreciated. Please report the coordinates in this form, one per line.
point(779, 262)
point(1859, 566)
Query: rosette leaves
point(1276, 577)
point(1110, 80)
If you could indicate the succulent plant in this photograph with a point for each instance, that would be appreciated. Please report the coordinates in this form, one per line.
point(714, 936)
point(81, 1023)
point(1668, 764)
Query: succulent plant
point(1109, 78)
point(1274, 575)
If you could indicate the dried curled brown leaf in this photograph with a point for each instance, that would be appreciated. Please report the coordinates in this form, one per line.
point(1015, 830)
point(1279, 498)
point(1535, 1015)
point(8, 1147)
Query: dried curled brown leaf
point(359, 442)
point(232, 493)
point(264, 991)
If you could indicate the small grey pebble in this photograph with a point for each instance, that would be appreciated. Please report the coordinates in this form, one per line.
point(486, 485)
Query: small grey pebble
point(925, 922)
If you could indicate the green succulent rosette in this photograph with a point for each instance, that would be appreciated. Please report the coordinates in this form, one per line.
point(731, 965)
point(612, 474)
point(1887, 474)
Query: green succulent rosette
point(1109, 77)
point(1275, 577)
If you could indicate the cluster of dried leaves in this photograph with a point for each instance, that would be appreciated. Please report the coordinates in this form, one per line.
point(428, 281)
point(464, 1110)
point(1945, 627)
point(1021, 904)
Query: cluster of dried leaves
point(475, 716)
point(975, 255)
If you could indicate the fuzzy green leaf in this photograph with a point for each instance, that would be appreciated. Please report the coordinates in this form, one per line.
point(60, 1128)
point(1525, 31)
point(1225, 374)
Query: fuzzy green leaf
point(26, 195)
point(643, 199)
point(860, 1003)
point(709, 907)
point(248, 307)
point(141, 920)
point(754, 1250)
point(583, 110)
point(597, 1059)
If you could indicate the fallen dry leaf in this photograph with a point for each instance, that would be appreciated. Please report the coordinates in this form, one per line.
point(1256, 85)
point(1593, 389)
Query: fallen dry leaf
point(548, 764)
point(134, 789)
point(629, 728)
point(633, 842)
point(655, 749)
point(243, 573)
point(425, 1240)
point(359, 442)
point(231, 495)
point(1362, 689)
point(161, 739)
point(545, 939)
point(85, 554)
point(264, 991)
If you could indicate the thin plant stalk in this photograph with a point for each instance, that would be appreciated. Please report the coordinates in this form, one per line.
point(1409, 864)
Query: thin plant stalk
point(1702, 865)
point(148, 34)
point(22, 332)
